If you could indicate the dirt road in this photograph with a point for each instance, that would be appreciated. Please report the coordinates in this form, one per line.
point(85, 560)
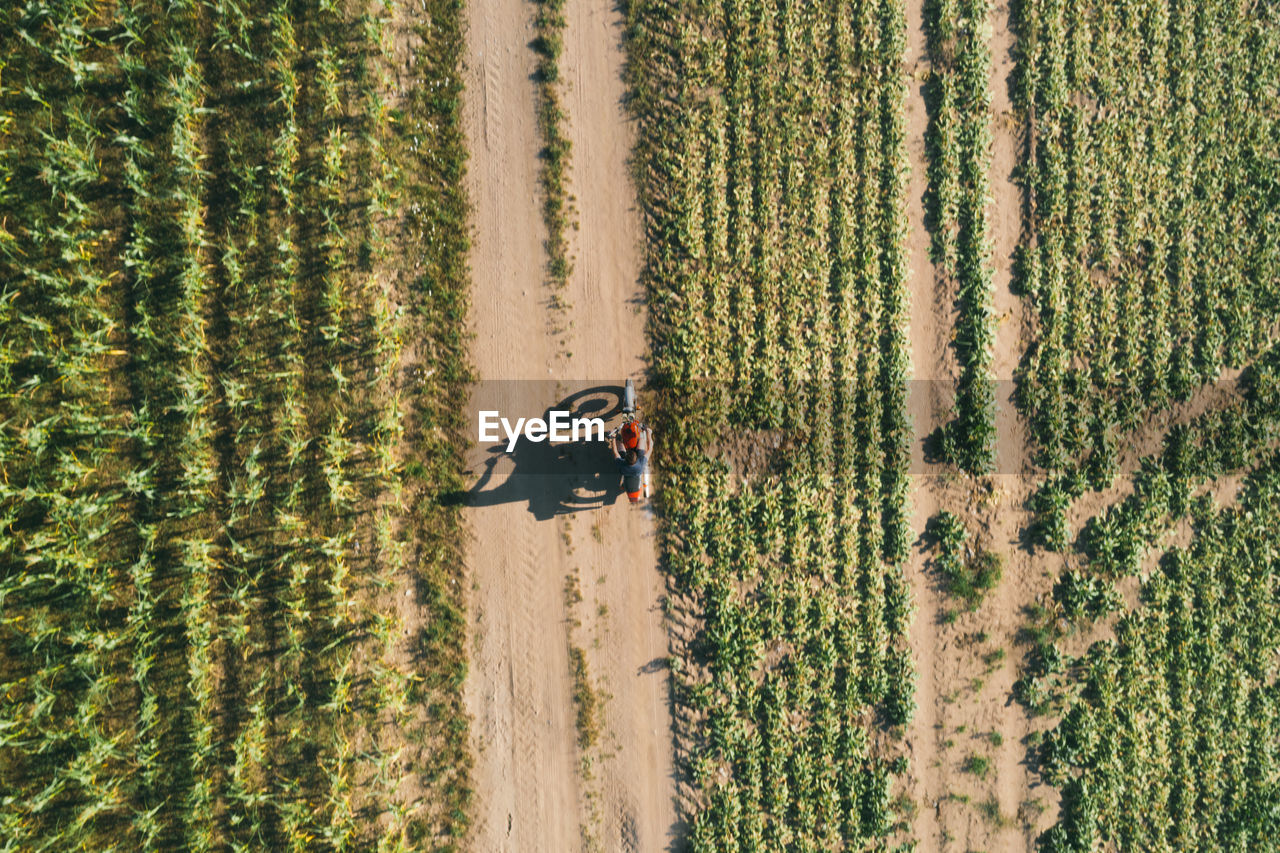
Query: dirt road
point(535, 789)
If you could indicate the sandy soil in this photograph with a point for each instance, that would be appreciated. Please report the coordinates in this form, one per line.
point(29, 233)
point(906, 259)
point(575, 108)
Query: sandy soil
point(618, 550)
point(963, 692)
point(534, 789)
point(932, 359)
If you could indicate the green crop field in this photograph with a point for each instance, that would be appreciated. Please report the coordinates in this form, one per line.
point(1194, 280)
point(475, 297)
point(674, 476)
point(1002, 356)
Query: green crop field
point(776, 282)
point(247, 579)
point(959, 139)
point(1170, 738)
point(206, 418)
point(1152, 248)
point(1151, 262)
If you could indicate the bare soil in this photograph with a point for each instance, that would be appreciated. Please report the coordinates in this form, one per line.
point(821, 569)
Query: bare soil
point(536, 790)
point(967, 666)
point(932, 359)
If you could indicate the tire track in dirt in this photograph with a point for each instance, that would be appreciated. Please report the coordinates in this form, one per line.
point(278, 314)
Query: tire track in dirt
point(616, 547)
point(1027, 575)
point(530, 792)
point(518, 689)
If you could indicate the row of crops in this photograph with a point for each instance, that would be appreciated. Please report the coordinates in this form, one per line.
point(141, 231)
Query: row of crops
point(772, 178)
point(205, 413)
point(958, 141)
point(1151, 264)
point(1151, 268)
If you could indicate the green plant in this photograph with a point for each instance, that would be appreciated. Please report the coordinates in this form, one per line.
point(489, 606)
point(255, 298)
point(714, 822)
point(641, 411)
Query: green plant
point(978, 765)
point(968, 578)
point(772, 172)
point(990, 811)
point(1125, 328)
point(201, 399)
point(1195, 597)
point(958, 143)
point(585, 699)
point(557, 206)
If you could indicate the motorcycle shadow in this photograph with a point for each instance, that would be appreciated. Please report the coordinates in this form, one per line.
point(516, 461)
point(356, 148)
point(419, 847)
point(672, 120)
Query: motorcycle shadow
point(553, 479)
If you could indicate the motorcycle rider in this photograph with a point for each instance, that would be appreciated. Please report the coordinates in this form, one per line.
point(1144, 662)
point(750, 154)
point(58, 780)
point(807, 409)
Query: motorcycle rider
point(631, 457)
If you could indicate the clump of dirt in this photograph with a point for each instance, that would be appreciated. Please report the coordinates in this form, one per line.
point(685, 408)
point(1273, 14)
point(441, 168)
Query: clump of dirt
point(754, 454)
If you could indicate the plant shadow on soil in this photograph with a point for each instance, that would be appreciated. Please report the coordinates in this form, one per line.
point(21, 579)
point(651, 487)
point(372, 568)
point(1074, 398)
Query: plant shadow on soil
point(554, 479)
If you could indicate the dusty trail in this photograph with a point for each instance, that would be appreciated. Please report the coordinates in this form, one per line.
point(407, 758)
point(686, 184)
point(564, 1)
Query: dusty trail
point(518, 689)
point(617, 546)
point(532, 793)
point(1025, 576)
point(964, 689)
point(933, 364)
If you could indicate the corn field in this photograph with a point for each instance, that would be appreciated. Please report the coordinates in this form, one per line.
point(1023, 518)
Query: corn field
point(1168, 740)
point(772, 174)
point(233, 367)
point(205, 411)
point(1150, 263)
point(1151, 258)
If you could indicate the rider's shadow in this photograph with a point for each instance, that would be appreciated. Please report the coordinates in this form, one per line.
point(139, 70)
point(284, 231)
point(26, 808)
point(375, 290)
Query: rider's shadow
point(554, 479)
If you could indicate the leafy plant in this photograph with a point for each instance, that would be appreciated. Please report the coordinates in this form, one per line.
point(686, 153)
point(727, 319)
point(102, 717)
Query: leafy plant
point(958, 143)
point(967, 577)
point(200, 388)
point(978, 765)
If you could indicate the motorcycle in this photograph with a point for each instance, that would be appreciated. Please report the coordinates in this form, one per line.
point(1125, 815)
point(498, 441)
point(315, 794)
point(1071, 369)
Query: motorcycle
point(629, 432)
